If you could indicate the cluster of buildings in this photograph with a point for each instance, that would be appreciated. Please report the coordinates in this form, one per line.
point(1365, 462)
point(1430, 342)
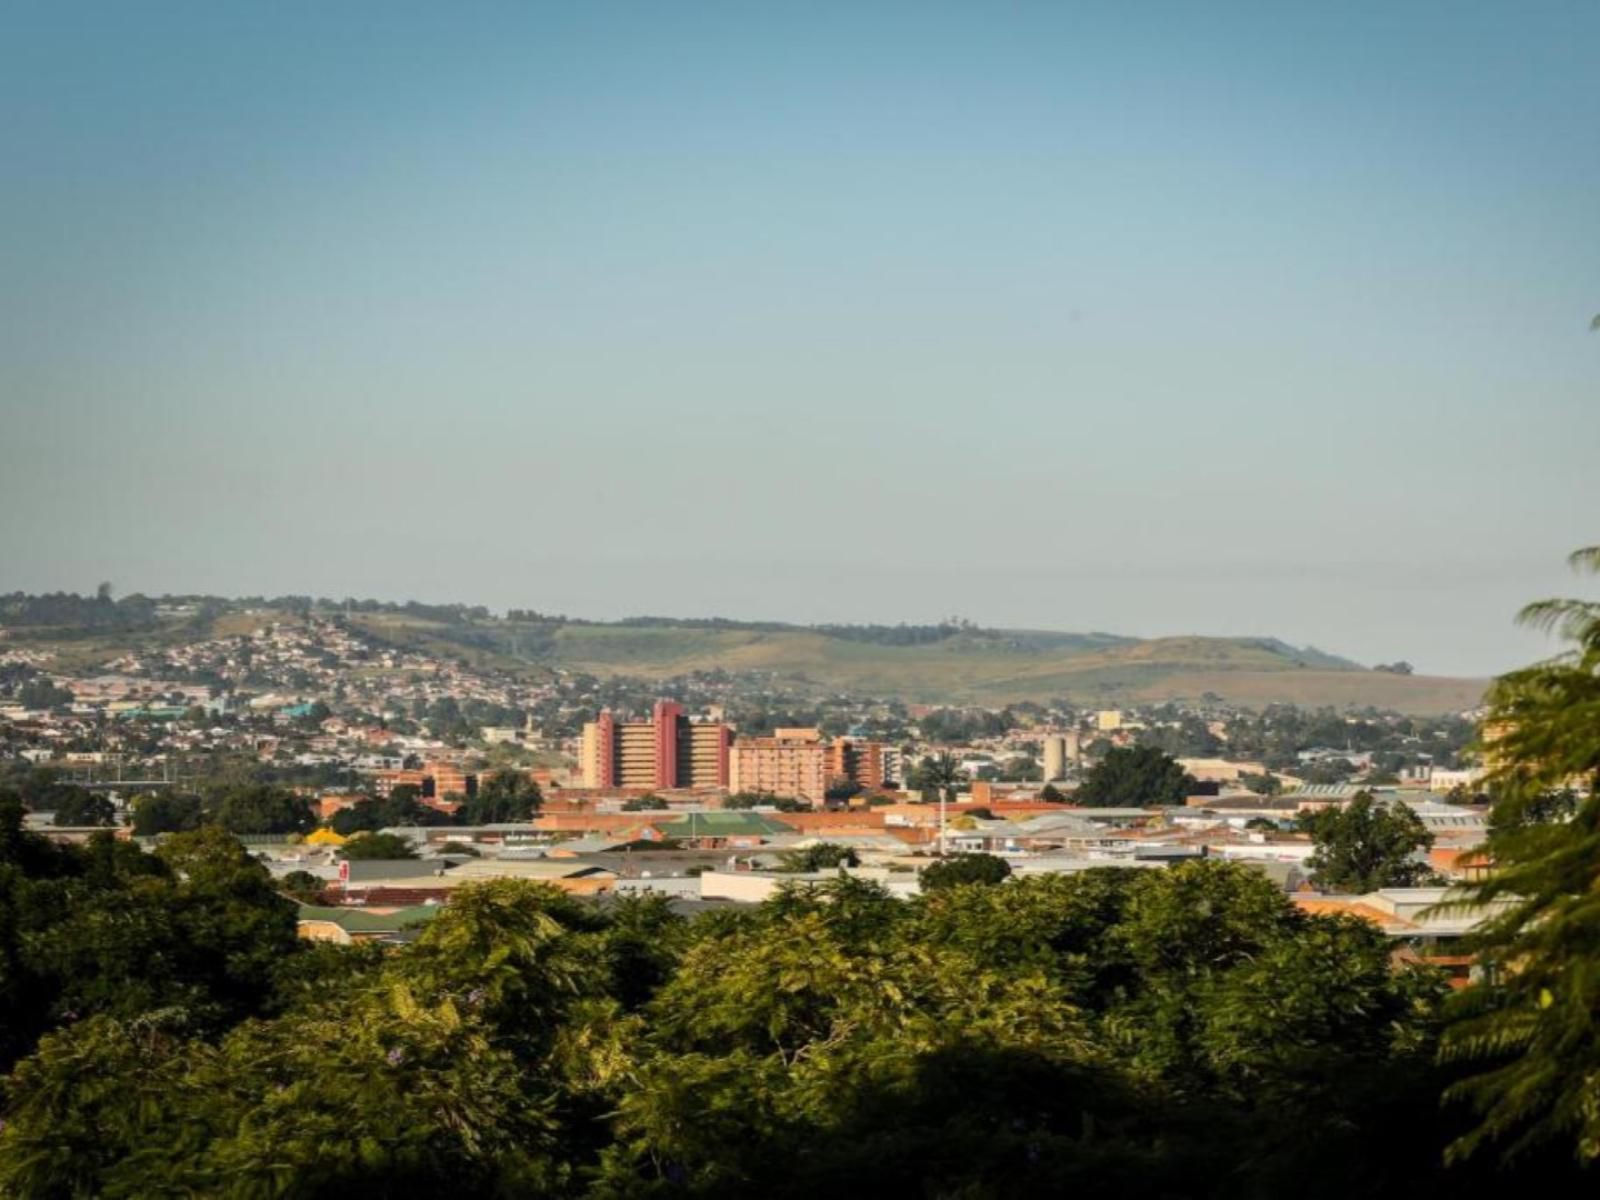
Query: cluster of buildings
point(322, 658)
point(670, 750)
point(696, 855)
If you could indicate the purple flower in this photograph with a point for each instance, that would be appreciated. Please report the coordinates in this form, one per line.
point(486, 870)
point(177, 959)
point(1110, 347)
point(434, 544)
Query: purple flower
point(396, 1056)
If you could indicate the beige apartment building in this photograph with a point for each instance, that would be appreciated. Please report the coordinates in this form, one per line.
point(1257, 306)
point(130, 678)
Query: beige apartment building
point(792, 762)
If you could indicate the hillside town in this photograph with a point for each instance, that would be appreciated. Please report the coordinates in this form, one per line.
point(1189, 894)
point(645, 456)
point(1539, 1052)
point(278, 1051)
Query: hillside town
point(606, 790)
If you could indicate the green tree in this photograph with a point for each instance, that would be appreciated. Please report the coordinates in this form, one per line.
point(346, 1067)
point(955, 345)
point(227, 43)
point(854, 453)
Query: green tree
point(964, 869)
point(166, 812)
point(83, 807)
point(842, 788)
point(442, 1065)
point(1262, 785)
point(401, 807)
point(505, 796)
point(781, 804)
point(938, 777)
point(377, 845)
point(43, 694)
point(1365, 846)
point(303, 886)
point(43, 790)
point(1134, 777)
point(196, 929)
point(261, 808)
point(824, 856)
point(745, 800)
point(644, 804)
point(1527, 1040)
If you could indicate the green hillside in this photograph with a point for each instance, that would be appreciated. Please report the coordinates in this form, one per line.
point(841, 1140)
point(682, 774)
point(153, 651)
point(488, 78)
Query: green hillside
point(995, 670)
point(951, 663)
point(978, 666)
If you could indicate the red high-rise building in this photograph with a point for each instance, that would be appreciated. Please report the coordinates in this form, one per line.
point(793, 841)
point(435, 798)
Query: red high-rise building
point(666, 751)
point(665, 719)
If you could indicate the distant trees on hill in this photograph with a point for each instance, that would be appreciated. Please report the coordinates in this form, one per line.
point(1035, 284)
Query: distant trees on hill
point(883, 635)
point(102, 613)
point(70, 611)
point(899, 635)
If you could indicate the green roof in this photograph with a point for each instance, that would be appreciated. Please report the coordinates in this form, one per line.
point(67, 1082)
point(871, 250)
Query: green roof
point(722, 823)
point(357, 920)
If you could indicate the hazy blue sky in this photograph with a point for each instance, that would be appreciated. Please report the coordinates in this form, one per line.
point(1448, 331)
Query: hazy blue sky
point(1227, 318)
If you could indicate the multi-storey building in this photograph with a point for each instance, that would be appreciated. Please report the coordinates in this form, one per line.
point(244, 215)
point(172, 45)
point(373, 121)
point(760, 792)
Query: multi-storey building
point(667, 751)
point(449, 780)
point(792, 762)
point(435, 780)
point(871, 765)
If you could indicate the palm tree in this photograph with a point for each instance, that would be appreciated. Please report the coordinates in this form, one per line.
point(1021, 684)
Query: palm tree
point(1529, 1035)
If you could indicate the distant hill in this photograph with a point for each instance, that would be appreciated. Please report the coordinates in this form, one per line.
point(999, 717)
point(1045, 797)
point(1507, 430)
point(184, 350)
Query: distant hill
point(953, 662)
point(966, 664)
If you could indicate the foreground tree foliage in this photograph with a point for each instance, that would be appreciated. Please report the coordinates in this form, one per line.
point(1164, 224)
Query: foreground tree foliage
point(1530, 1041)
point(1171, 1033)
point(196, 929)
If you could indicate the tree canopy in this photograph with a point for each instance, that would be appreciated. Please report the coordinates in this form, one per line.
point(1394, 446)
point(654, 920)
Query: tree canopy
point(743, 800)
point(502, 797)
point(823, 856)
point(377, 845)
point(1366, 845)
point(964, 869)
point(81, 807)
point(260, 808)
point(1179, 1032)
point(1134, 777)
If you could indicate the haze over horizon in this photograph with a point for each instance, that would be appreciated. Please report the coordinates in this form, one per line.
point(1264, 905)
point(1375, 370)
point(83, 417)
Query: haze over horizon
point(1165, 321)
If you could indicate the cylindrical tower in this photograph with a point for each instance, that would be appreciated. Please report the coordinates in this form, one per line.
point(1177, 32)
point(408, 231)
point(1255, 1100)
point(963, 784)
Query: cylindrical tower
point(1055, 758)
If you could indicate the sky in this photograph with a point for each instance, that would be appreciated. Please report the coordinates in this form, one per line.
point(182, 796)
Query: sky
point(1235, 318)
